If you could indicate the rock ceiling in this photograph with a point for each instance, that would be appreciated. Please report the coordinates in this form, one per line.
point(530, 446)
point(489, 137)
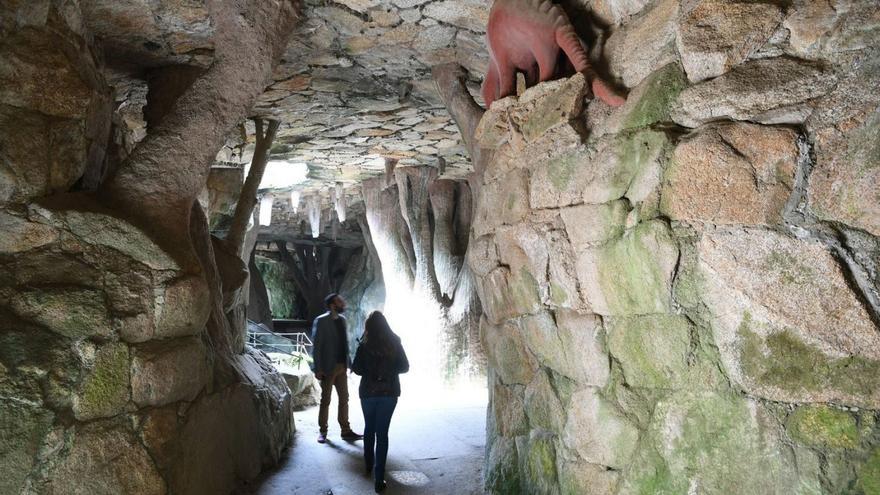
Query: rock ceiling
point(353, 86)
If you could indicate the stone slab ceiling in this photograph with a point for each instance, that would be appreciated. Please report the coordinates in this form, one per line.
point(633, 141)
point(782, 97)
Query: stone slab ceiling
point(353, 86)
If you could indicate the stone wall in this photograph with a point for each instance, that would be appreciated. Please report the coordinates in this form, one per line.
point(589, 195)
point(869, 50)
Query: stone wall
point(109, 381)
point(681, 295)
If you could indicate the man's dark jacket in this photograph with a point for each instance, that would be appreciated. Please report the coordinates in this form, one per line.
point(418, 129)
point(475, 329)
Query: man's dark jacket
point(325, 344)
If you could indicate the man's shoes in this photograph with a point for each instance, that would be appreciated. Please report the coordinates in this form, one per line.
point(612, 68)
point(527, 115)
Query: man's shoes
point(351, 435)
point(380, 486)
point(322, 438)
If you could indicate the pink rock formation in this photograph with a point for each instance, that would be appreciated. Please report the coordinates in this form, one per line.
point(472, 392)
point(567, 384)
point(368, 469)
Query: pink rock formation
point(526, 36)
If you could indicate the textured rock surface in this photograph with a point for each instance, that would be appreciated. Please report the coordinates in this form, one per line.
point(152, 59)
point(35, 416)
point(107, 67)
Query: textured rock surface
point(645, 43)
point(162, 376)
point(103, 458)
point(87, 381)
point(719, 339)
point(731, 174)
point(106, 360)
point(780, 350)
point(630, 275)
point(843, 185)
point(54, 103)
point(716, 35)
point(771, 91)
point(697, 430)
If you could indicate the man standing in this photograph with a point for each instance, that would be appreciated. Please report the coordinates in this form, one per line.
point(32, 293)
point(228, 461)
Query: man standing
point(330, 361)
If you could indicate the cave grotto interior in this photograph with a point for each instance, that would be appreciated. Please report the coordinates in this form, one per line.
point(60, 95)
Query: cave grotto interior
point(644, 234)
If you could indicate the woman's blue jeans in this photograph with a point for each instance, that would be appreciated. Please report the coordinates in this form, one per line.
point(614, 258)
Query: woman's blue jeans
point(377, 419)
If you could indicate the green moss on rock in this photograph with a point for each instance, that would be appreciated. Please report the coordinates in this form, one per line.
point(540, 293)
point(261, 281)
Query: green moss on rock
point(542, 461)
point(558, 296)
point(722, 443)
point(635, 272)
point(869, 474)
point(823, 426)
point(637, 402)
point(663, 87)
point(651, 476)
point(554, 108)
point(689, 282)
point(524, 291)
point(23, 425)
point(563, 386)
point(282, 292)
point(542, 406)
point(511, 201)
point(105, 391)
point(502, 472)
point(652, 350)
point(638, 150)
point(867, 422)
point(22, 429)
point(783, 360)
point(790, 269)
point(70, 312)
point(560, 170)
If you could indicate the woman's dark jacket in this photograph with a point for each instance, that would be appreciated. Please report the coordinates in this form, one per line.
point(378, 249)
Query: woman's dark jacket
point(379, 373)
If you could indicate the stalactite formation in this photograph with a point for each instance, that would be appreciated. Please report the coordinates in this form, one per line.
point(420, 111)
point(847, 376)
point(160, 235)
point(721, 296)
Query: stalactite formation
point(338, 200)
point(295, 198)
point(313, 210)
point(244, 207)
point(423, 227)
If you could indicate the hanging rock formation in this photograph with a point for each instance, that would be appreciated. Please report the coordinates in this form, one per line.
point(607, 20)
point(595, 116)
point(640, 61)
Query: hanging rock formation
point(420, 226)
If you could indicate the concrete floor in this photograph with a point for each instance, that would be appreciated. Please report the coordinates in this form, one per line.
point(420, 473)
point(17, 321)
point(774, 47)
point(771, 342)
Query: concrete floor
point(436, 446)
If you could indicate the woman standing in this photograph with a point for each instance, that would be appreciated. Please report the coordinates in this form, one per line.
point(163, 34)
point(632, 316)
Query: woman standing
point(379, 359)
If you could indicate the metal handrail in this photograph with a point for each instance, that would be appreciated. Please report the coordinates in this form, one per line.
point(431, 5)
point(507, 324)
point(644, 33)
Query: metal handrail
point(298, 346)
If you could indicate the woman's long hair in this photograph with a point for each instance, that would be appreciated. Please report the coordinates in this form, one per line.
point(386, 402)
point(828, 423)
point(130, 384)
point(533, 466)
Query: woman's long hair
point(378, 337)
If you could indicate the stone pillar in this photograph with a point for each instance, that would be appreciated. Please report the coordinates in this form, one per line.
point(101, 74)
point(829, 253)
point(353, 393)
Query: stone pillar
point(674, 303)
point(114, 377)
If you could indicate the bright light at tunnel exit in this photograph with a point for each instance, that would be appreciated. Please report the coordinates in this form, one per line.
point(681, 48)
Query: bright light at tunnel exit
point(416, 318)
point(417, 321)
point(280, 174)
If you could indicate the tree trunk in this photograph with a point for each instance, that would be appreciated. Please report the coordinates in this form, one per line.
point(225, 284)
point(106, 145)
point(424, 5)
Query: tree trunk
point(309, 268)
point(244, 207)
point(159, 182)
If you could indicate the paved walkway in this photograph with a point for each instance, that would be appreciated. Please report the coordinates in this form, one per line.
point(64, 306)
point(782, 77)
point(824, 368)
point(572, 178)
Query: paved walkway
point(436, 443)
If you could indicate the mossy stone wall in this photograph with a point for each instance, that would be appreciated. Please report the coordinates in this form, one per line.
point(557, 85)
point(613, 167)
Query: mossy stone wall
point(667, 312)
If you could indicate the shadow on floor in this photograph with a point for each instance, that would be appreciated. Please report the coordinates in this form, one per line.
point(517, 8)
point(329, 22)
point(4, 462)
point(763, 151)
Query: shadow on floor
point(436, 443)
